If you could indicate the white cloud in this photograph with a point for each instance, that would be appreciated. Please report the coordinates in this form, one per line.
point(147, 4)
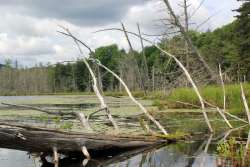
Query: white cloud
point(31, 39)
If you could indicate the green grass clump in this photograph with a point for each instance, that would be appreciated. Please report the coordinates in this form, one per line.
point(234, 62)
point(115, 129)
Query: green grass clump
point(212, 94)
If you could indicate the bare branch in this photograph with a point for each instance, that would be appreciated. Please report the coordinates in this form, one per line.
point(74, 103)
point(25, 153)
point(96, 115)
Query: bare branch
point(132, 97)
point(95, 87)
point(182, 67)
point(245, 102)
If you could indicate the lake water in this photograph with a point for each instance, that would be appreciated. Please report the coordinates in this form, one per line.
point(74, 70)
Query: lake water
point(168, 156)
point(199, 151)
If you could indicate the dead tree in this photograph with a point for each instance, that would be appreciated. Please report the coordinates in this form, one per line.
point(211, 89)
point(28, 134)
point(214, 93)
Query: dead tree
point(134, 62)
point(245, 102)
point(195, 88)
point(193, 48)
point(144, 71)
point(123, 83)
point(95, 83)
point(132, 98)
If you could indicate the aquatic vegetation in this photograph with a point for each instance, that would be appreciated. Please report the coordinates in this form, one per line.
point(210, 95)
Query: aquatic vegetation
point(44, 119)
point(234, 151)
point(67, 126)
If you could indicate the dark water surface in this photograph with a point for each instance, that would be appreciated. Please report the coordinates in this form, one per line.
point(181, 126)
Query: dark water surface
point(168, 156)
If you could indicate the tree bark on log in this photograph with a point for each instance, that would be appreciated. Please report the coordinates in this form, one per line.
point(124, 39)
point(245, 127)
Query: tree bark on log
point(43, 140)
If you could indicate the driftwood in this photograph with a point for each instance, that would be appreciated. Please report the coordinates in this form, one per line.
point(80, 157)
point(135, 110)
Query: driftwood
point(26, 138)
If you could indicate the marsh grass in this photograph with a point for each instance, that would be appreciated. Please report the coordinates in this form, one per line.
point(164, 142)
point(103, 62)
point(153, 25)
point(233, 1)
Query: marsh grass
point(212, 94)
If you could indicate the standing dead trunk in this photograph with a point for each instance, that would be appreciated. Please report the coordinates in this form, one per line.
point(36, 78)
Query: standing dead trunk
point(186, 29)
point(135, 63)
point(188, 40)
point(145, 77)
point(223, 89)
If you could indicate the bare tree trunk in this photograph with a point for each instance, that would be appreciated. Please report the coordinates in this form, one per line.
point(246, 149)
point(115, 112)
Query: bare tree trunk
point(223, 89)
point(153, 78)
point(144, 64)
point(137, 70)
point(99, 79)
point(133, 99)
point(245, 102)
point(224, 99)
point(95, 87)
point(189, 41)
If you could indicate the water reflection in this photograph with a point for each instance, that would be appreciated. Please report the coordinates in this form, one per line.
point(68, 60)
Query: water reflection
point(174, 155)
point(199, 153)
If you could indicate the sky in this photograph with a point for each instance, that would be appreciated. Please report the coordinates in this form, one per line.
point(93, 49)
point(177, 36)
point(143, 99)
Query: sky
point(28, 28)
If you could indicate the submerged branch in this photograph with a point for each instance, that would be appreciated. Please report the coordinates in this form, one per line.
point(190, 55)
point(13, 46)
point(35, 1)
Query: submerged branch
point(79, 115)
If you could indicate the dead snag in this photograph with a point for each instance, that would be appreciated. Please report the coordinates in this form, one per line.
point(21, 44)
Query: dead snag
point(224, 100)
point(188, 40)
point(181, 66)
point(223, 88)
point(245, 102)
point(94, 80)
point(132, 97)
point(135, 63)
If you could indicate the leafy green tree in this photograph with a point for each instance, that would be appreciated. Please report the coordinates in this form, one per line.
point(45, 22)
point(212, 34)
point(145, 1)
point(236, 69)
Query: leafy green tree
point(243, 37)
point(81, 75)
point(110, 57)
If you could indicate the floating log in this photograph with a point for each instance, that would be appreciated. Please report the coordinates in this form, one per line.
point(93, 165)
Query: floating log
point(32, 139)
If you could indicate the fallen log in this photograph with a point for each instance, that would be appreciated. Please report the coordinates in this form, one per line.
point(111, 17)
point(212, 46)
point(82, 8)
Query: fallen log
point(32, 139)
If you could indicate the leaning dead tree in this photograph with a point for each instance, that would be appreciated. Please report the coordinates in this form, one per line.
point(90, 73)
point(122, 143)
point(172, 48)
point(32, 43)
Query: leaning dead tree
point(132, 98)
point(245, 102)
point(136, 72)
point(122, 82)
point(187, 74)
point(195, 88)
point(95, 83)
point(184, 32)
